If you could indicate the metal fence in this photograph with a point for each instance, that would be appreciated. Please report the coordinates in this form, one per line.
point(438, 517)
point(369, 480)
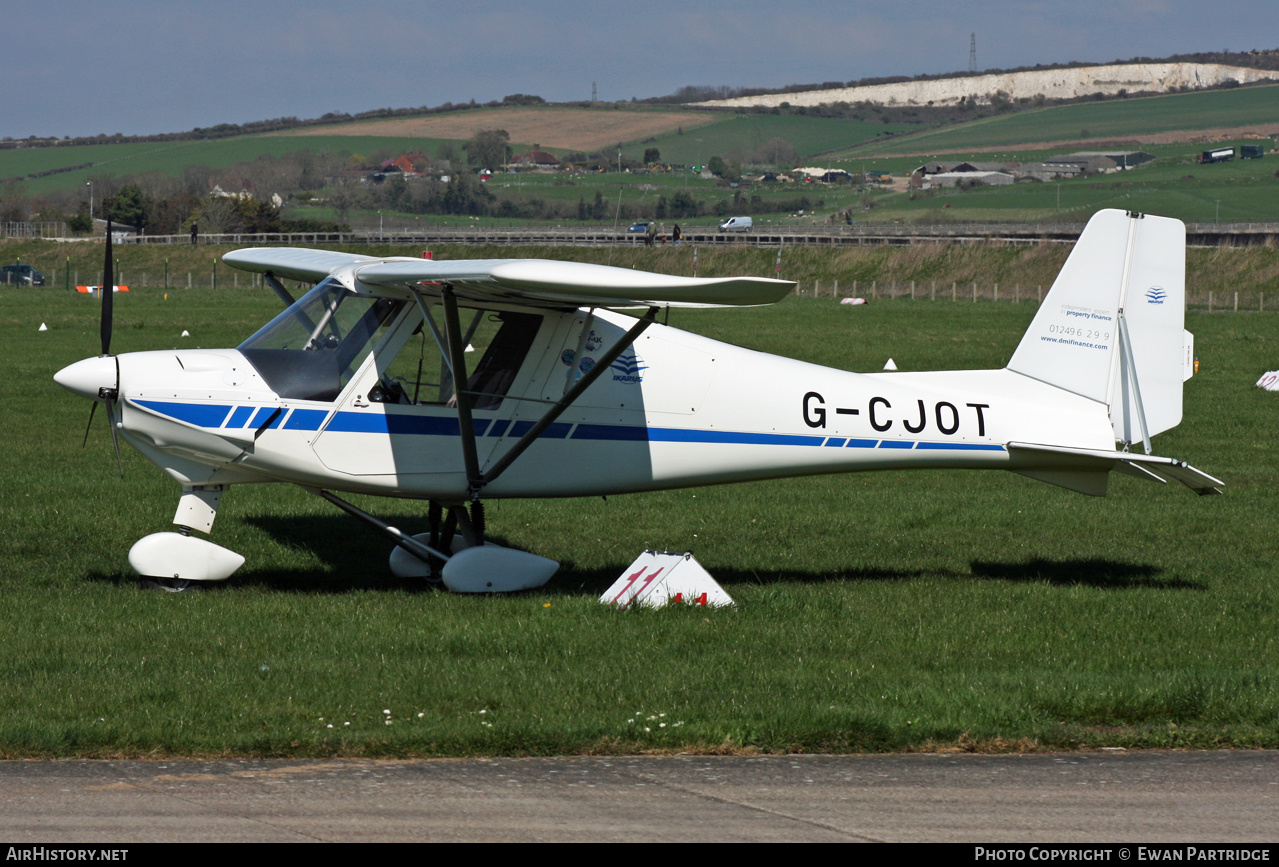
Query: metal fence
point(821, 234)
point(34, 230)
point(918, 290)
point(1207, 301)
point(870, 290)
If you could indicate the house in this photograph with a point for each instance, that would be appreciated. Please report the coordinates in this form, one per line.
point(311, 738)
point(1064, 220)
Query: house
point(535, 159)
point(244, 192)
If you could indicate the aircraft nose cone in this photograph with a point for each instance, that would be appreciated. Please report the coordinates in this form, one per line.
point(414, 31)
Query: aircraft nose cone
point(87, 376)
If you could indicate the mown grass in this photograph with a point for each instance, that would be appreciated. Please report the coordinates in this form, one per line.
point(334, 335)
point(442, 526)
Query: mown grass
point(889, 611)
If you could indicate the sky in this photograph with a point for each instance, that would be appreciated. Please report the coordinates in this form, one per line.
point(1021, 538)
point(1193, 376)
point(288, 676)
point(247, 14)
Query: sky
point(136, 67)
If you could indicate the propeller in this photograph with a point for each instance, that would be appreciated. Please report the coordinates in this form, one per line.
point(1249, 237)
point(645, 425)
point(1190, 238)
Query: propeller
point(108, 394)
point(108, 296)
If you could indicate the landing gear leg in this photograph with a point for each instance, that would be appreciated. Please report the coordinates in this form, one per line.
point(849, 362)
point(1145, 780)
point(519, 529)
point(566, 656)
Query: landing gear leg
point(177, 561)
point(470, 568)
point(434, 515)
point(471, 523)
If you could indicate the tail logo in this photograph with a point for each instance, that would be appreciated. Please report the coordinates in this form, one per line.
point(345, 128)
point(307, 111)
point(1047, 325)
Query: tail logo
point(1156, 295)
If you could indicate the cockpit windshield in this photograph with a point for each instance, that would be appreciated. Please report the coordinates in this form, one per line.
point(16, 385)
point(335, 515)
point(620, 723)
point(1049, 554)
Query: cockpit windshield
point(313, 348)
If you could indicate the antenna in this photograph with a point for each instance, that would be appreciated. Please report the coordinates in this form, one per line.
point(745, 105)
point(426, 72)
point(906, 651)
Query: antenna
point(972, 53)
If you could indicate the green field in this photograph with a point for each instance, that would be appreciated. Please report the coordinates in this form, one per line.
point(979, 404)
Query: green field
point(170, 158)
point(916, 611)
point(1115, 119)
point(1238, 192)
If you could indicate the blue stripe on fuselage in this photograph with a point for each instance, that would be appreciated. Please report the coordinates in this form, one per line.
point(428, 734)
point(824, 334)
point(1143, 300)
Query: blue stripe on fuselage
point(214, 415)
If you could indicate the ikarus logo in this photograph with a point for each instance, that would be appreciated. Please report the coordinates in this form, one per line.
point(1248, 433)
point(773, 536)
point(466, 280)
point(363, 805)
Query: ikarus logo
point(627, 367)
point(1156, 295)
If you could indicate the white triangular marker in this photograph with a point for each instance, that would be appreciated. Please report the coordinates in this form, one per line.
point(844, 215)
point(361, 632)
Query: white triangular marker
point(186, 333)
point(470, 348)
point(1269, 380)
point(44, 327)
point(659, 577)
point(891, 365)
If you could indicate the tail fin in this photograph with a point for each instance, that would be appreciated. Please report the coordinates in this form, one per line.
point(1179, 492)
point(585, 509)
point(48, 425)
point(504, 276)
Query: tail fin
point(1112, 328)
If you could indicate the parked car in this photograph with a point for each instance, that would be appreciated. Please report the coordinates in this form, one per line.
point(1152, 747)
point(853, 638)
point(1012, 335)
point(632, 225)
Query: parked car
point(21, 275)
point(637, 229)
point(736, 224)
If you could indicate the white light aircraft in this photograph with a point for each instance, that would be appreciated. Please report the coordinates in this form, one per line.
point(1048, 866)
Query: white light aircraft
point(355, 388)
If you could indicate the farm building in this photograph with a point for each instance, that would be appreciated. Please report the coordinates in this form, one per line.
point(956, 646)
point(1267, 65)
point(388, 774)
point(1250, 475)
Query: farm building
point(954, 179)
point(1050, 171)
point(937, 168)
point(1083, 163)
point(1104, 161)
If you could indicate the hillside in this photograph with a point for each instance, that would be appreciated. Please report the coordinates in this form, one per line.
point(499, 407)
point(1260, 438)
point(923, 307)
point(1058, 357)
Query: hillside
point(322, 173)
point(1071, 83)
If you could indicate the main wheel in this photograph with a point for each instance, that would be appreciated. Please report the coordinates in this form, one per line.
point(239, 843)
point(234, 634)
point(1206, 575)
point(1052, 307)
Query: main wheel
point(169, 585)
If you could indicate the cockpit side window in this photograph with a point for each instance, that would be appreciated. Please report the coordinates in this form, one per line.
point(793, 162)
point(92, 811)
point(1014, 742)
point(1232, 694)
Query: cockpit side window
point(421, 373)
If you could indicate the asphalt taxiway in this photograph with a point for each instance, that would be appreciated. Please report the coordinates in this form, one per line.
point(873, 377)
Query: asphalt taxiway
point(1119, 797)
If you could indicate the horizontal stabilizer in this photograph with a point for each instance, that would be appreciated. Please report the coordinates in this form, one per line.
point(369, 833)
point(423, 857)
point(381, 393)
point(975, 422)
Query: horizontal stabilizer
point(1057, 464)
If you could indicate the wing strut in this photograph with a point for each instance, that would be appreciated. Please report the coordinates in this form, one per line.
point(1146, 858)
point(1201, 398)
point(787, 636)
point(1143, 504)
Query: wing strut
point(457, 346)
point(556, 409)
point(275, 284)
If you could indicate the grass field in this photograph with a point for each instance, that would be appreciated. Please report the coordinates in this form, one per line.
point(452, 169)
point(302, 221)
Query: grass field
point(921, 610)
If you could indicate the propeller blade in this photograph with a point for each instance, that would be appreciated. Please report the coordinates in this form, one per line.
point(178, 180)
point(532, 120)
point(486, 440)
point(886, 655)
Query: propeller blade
point(108, 293)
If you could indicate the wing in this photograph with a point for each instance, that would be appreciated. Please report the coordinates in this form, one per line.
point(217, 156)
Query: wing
point(532, 282)
point(557, 284)
point(296, 263)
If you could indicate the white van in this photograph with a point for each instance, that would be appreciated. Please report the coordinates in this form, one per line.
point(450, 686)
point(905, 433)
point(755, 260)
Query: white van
point(736, 224)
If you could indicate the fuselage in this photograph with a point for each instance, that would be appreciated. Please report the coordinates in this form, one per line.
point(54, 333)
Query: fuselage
point(675, 409)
